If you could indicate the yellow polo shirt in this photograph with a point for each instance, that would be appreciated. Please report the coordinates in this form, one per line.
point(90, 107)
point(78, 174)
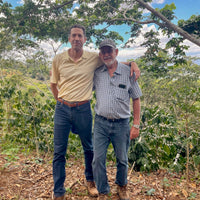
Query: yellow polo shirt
point(74, 80)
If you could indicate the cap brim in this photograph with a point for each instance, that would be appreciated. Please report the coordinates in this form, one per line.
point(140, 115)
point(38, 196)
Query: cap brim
point(108, 45)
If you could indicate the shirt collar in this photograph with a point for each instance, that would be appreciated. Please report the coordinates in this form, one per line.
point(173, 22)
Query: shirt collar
point(117, 71)
point(84, 56)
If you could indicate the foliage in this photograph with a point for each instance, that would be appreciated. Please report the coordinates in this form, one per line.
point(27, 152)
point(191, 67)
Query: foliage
point(158, 60)
point(48, 19)
point(35, 19)
point(178, 50)
point(158, 143)
point(28, 109)
point(35, 66)
point(27, 115)
point(155, 59)
point(170, 82)
point(184, 89)
point(192, 25)
point(177, 94)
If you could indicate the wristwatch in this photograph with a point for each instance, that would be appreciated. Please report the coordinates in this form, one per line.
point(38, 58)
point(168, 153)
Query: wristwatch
point(136, 126)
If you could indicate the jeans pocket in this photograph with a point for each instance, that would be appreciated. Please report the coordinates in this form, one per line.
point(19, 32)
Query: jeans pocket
point(59, 105)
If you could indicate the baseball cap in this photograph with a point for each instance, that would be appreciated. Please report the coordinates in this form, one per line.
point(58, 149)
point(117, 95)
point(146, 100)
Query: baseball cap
point(107, 42)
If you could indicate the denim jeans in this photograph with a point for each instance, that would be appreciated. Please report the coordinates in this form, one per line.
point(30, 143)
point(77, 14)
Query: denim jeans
point(66, 119)
point(118, 133)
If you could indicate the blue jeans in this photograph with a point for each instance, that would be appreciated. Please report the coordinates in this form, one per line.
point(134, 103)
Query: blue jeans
point(78, 119)
point(118, 133)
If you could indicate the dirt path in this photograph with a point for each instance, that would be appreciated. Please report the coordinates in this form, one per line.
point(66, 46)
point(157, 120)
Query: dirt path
point(30, 178)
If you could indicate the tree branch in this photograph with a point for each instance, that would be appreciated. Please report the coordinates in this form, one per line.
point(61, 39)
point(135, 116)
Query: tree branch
point(169, 24)
point(130, 19)
point(134, 20)
point(62, 5)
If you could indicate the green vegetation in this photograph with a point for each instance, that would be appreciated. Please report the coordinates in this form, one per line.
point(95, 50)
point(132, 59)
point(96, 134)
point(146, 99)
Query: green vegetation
point(169, 136)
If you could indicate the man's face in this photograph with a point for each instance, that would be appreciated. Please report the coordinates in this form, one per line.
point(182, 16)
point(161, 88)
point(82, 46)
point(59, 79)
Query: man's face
point(108, 55)
point(77, 38)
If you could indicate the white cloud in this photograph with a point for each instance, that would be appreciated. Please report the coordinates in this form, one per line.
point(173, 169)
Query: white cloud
point(51, 47)
point(91, 5)
point(158, 1)
point(136, 50)
point(132, 53)
point(145, 11)
point(35, 1)
point(2, 15)
point(193, 50)
point(74, 14)
point(20, 2)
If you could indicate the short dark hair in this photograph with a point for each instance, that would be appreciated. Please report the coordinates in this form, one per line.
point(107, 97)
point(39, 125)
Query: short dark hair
point(77, 26)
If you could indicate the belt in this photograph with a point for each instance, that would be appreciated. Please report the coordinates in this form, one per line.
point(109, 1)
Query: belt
point(73, 104)
point(111, 120)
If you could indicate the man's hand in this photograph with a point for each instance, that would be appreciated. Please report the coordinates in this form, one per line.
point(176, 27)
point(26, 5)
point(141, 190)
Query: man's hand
point(134, 132)
point(135, 68)
point(54, 90)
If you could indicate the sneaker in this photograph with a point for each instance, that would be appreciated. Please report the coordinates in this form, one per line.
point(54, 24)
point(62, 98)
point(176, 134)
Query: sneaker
point(63, 197)
point(92, 188)
point(102, 197)
point(122, 191)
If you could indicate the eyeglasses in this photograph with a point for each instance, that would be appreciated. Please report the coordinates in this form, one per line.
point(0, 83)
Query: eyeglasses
point(108, 51)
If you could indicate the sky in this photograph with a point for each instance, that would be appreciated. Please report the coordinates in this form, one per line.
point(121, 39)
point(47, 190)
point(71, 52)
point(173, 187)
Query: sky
point(184, 10)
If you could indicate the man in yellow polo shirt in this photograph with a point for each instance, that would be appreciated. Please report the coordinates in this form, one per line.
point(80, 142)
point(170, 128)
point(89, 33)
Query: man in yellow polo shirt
point(71, 85)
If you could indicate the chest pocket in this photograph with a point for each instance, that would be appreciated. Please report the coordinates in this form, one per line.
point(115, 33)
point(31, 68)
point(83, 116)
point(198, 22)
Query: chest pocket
point(121, 94)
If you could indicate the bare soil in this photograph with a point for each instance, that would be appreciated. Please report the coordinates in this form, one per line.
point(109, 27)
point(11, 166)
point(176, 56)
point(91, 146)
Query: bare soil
point(27, 177)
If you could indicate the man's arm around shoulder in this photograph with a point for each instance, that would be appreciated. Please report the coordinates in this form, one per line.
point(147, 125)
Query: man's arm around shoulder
point(134, 68)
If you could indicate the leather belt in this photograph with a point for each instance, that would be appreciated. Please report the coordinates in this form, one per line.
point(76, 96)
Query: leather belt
point(73, 104)
point(111, 120)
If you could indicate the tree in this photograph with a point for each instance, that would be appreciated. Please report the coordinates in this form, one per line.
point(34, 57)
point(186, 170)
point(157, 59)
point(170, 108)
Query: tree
point(131, 13)
point(167, 24)
point(46, 19)
point(192, 25)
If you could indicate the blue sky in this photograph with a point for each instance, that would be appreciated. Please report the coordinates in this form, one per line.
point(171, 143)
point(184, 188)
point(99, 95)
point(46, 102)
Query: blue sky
point(184, 10)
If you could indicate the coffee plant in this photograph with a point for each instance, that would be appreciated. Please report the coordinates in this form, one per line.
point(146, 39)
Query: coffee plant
point(27, 112)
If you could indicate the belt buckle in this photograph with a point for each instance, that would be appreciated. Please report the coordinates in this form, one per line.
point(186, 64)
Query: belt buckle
point(110, 119)
point(72, 104)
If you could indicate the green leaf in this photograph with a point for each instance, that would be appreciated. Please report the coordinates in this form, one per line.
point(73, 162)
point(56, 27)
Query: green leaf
point(151, 191)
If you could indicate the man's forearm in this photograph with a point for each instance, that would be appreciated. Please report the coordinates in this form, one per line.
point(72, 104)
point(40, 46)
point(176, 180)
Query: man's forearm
point(54, 90)
point(135, 131)
point(136, 111)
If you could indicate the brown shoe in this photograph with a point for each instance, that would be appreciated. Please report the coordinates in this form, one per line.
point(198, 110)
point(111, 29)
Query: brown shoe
point(92, 188)
point(63, 197)
point(102, 197)
point(122, 191)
